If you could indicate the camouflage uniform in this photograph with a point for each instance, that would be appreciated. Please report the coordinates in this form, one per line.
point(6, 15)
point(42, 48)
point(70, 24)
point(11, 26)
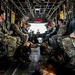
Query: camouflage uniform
point(8, 40)
point(52, 31)
point(23, 36)
point(15, 28)
point(68, 45)
point(61, 32)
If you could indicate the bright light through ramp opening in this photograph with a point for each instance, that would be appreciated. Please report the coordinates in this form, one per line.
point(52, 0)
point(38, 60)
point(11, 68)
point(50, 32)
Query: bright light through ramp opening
point(35, 26)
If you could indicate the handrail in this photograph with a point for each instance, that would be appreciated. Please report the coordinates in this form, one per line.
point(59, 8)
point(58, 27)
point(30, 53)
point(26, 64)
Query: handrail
point(56, 9)
point(51, 8)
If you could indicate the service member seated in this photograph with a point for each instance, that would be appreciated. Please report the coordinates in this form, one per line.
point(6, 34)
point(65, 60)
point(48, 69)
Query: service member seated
point(7, 39)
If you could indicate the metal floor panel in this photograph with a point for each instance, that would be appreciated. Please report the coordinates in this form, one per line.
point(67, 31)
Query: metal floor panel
point(24, 68)
point(29, 67)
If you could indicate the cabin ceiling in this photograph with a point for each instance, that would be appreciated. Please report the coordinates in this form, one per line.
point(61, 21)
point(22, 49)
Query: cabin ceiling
point(35, 7)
